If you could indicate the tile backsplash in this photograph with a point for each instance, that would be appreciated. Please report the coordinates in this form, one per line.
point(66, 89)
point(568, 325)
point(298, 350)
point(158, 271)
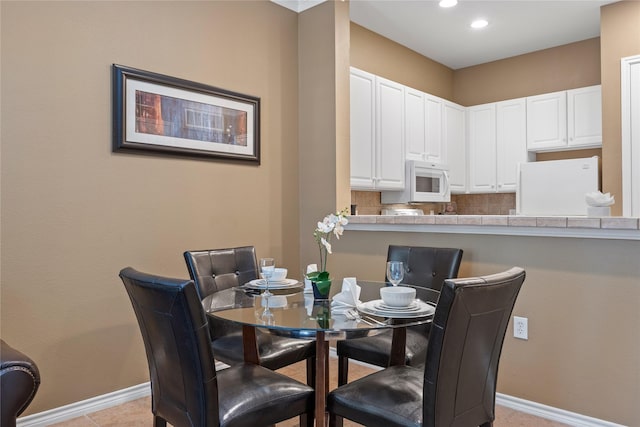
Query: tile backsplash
point(368, 203)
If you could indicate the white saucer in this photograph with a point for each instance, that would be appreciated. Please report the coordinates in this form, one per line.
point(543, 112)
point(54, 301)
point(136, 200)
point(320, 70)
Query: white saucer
point(382, 306)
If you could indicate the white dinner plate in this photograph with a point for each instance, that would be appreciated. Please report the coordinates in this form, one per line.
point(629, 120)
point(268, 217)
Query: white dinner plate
point(371, 307)
point(380, 305)
point(280, 284)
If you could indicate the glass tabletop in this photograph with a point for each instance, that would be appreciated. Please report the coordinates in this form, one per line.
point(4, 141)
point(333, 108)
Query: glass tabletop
point(295, 313)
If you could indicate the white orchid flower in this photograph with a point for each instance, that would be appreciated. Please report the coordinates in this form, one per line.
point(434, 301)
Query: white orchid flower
point(338, 230)
point(331, 224)
point(325, 226)
point(326, 244)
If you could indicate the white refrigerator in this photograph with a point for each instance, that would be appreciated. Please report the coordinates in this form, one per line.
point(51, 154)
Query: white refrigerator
point(556, 187)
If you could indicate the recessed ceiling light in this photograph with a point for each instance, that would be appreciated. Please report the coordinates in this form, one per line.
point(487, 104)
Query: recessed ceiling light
point(448, 3)
point(479, 23)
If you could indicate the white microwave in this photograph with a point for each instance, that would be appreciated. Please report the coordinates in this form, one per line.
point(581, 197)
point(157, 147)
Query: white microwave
point(424, 182)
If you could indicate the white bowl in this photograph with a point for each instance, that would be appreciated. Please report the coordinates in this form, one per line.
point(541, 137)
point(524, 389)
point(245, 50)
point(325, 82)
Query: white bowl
point(397, 296)
point(279, 274)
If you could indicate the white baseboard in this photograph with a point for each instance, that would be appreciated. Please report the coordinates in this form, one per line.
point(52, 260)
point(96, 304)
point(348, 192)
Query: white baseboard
point(551, 413)
point(78, 409)
point(119, 397)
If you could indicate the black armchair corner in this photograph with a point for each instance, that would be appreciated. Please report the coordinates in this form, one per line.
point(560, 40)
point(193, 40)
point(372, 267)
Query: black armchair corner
point(19, 382)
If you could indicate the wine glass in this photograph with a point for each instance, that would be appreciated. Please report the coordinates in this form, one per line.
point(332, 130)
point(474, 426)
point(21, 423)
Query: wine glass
point(267, 316)
point(267, 267)
point(395, 272)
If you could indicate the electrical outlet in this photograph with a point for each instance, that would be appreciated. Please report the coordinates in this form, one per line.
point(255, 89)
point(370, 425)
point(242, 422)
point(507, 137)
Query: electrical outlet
point(521, 327)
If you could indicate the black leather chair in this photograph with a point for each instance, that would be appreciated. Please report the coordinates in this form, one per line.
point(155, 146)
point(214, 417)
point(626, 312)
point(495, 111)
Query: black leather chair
point(213, 270)
point(186, 390)
point(425, 267)
point(457, 385)
point(19, 382)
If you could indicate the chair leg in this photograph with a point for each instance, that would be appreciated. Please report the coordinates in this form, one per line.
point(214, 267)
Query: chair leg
point(335, 421)
point(343, 370)
point(159, 422)
point(306, 420)
point(311, 372)
point(487, 424)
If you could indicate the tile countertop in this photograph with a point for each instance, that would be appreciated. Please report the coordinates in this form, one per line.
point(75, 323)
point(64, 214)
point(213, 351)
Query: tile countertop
point(617, 228)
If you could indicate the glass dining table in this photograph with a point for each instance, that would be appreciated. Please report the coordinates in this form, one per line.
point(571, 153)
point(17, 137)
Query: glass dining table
point(292, 312)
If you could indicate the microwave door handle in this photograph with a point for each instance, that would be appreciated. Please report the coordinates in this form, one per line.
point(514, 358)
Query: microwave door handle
point(446, 182)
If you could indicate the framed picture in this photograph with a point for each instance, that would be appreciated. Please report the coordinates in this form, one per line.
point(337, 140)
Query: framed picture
point(153, 112)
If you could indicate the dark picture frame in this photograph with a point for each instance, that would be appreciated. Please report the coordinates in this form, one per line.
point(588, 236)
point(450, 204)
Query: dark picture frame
point(163, 114)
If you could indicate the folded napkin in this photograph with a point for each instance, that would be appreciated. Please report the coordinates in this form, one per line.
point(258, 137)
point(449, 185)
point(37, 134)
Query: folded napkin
point(311, 268)
point(348, 298)
point(596, 198)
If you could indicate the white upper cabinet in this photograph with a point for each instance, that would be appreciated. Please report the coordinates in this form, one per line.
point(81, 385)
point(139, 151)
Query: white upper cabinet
point(436, 146)
point(363, 91)
point(389, 135)
point(482, 148)
point(584, 117)
point(454, 137)
point(565, 120)
point(511, 142)
point(496, 144)
point(377, 121)
point(547, 121)
point(414, 124)
point(423, 127)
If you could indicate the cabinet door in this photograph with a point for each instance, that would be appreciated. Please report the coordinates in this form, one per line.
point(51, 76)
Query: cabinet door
point(414, 124)
point(389, 135)
point(547, 121)
point(482, 148)
point(511, 142)
point(454, 136)
point(362, 130)
point(436, 149)
point(584, 117)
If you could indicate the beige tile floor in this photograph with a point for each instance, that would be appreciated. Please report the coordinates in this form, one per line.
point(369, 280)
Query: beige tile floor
point(138, 412)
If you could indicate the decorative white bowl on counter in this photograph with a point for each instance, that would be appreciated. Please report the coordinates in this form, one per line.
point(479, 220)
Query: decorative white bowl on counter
point(397, 296)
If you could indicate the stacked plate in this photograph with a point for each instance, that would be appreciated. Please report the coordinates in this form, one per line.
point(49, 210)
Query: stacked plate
point(273, 284)
point(378, 308)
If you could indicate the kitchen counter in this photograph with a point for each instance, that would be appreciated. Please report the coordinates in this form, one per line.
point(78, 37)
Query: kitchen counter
point(617, 228)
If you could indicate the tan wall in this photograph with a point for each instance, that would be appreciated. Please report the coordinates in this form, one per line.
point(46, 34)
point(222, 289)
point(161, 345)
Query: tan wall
point(74, 213)
point(378, 55)
point(89, 212)
point(620, 34)
point(580, 296)
point(324, 119)
point(565, 67)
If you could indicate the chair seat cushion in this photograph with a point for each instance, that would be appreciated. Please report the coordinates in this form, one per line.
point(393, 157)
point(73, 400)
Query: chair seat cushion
point(247, 390)
point(376, 349)
point(275, 352)
point(392, 397)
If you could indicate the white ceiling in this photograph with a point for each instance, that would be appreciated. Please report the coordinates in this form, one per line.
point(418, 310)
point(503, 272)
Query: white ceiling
point(444, 35)
point(515, 26)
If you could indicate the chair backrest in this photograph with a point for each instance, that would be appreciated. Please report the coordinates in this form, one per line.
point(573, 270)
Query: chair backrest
point(176, 338)
point(464, 348)
point(425, 266)
point(216, 269)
